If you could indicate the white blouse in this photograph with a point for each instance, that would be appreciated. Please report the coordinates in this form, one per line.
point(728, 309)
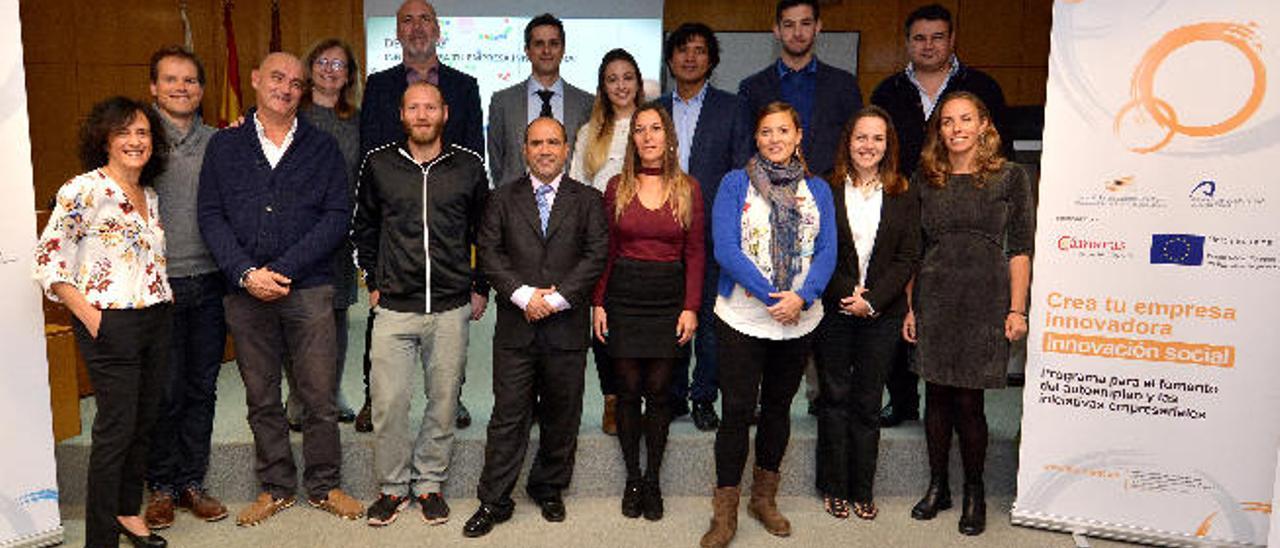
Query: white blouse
point(612, 165)
point(863, 215)
point(743, 311)
point(97, 242)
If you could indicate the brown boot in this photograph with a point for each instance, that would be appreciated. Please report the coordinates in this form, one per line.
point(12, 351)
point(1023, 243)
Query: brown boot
point(763, 506)
point(724, 518)
point(609, 422)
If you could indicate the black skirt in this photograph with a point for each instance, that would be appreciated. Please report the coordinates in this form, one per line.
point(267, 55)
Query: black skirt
point(643, 302)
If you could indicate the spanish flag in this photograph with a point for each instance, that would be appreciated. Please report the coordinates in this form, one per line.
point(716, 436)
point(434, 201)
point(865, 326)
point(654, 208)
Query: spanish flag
point(229, 109)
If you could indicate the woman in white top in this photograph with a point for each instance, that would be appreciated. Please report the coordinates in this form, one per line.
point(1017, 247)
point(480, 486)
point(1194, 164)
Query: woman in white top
point(598, 155)
point(102, 256)
point(774, 231)
point(601, 145)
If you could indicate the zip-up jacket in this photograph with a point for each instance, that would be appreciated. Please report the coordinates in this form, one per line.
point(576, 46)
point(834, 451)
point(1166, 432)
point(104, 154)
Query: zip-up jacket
point(407, 212)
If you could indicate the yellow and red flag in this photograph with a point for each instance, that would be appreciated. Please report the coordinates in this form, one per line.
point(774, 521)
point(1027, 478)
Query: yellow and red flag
point(229, 109)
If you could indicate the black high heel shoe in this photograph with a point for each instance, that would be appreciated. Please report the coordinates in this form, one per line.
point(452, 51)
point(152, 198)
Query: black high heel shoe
point(633, 499)
point(973, 515)
point(652, 500)
point(152, 540)
point(936, 499)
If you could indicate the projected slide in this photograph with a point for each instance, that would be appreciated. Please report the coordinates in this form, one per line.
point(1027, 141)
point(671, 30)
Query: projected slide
point(492, 49)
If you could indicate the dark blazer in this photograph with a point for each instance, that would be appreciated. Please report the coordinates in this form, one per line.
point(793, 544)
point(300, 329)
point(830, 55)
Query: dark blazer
point(837, 97)
point(513, 252)
point(721, 143)
point(897, 95)
point(893, 258)
point(380, 111)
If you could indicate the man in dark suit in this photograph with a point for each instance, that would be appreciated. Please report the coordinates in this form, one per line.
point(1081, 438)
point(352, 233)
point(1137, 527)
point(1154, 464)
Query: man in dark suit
point(824, 95)
point(910, 97)
point(543, 93)
point(542, 246)
point(418, 30)
point(714, 136)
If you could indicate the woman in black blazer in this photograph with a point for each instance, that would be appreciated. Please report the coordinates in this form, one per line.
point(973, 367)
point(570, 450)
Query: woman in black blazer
point(878, 235)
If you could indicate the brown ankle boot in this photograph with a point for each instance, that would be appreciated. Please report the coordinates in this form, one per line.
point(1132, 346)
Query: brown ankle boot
point(609, 422)
point(724, 518)
point(763, 506)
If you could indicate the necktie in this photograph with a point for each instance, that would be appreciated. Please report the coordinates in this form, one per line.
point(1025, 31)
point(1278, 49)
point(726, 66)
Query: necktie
point(545, 95)
point(543, 195)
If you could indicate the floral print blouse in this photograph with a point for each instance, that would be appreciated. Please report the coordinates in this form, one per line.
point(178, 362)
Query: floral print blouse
point(98, 242)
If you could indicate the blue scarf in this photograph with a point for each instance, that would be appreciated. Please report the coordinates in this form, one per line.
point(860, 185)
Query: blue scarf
point(778, 183)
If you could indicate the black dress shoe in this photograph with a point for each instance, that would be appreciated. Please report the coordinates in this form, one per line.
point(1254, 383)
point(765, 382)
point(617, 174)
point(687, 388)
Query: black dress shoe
point(483, 521)
point(633, 498)
point(463, 419)
point(652, 500)
point(891, 416)
point(552, 509)
point(153, 540)
point(704, 416)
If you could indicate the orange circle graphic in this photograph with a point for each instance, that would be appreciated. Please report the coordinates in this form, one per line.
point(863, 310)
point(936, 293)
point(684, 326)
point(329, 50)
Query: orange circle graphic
point(1241, 37)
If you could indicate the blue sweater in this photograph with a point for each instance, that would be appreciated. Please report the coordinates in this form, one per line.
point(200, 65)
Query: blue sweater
point(737, 268)
point(289, 219)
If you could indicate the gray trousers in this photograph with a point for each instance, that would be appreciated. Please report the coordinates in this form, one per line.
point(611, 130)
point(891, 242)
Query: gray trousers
point(302, 322)
point(403, 341)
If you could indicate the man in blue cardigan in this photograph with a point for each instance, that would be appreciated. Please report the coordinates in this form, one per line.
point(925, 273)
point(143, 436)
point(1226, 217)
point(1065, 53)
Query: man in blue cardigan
point(825, 96)
point(714, 137)
point(273, 206)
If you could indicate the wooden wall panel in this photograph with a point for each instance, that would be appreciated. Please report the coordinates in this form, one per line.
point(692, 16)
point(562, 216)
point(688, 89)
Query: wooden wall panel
point(1007, 38)
point(78, 52)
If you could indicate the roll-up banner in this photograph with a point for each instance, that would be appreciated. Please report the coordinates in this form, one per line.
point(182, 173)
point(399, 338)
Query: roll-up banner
point(28, 477)
point(1152, 405)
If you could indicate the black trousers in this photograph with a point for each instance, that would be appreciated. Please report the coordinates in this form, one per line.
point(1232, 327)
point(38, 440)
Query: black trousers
point(751, 370)
point(127, 364)
point(853, 357)
point(522, 377)
point(903, 384)
point(302, 323)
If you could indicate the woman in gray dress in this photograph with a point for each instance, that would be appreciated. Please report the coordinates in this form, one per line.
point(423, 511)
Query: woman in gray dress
point(970, 295)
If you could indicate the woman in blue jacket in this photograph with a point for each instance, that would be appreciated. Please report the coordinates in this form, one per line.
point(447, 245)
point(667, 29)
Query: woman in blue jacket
point(774, 233)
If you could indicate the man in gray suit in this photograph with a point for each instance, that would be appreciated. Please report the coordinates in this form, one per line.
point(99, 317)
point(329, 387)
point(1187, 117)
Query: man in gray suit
point(544, 93)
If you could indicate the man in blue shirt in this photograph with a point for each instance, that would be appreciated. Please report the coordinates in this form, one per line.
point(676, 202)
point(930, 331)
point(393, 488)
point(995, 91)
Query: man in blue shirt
point(714, 137)
point(809, 85)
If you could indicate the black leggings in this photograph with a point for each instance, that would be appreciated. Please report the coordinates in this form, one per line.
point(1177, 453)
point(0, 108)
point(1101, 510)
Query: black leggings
point(650, 378)
point(949, 408)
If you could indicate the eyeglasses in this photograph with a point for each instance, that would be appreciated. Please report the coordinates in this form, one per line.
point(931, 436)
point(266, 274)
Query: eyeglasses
point(331, 64)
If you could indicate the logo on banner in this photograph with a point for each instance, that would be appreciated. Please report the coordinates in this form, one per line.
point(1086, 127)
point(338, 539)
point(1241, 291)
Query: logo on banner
point(1179, 249)
point(1145, 106)
point(1206, 189)
point(1090, 247)
point(1205, 195)
point(1124, 192)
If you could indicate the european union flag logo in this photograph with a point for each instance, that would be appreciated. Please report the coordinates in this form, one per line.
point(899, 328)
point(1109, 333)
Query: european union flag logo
point(1183, 249)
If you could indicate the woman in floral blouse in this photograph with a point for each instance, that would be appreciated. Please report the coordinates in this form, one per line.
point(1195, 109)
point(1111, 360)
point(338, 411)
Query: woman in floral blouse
point(102, 255)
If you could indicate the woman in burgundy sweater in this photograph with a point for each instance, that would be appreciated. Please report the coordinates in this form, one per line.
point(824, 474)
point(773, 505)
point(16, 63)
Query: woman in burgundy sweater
point(646, 303)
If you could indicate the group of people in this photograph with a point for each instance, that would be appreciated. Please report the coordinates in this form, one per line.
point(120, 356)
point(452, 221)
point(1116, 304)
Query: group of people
point(781, 232)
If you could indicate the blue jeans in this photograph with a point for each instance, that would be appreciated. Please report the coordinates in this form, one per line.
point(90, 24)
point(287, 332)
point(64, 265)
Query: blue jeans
point(179, 453)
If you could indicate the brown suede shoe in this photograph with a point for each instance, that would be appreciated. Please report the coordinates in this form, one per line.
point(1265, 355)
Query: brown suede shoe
point(262, 508)
point(201, 505)
point(159, 514)
point(339, 504)
point(763, 504)
point(724, 518)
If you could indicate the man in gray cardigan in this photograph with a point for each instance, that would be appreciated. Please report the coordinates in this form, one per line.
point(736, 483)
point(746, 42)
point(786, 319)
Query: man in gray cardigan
point(544, 93)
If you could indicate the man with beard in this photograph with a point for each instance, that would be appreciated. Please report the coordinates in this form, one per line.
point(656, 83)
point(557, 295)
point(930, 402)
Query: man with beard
point(824, 95)
point(418, 30)
point(418, 206)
